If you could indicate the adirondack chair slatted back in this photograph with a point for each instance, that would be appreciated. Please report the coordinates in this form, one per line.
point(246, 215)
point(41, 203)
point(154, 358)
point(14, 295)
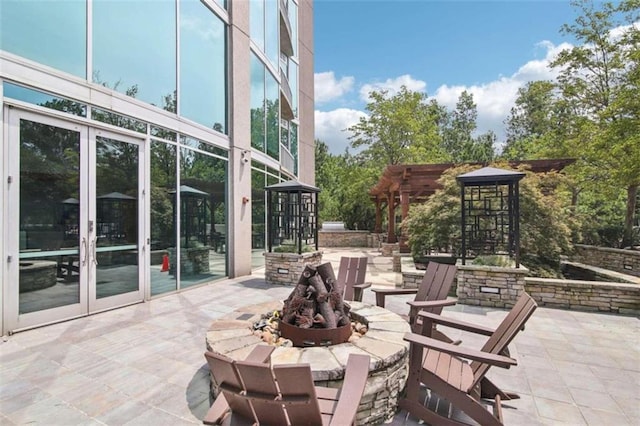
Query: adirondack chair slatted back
point(258, 381)
point(226, 376)
point(440, 278)
point(506, 332)
point(295, 381)
point(352, 271)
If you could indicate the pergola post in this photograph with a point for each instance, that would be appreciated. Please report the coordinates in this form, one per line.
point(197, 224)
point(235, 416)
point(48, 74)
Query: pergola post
point(404, 206)
point(391, 219)
point(378, 228)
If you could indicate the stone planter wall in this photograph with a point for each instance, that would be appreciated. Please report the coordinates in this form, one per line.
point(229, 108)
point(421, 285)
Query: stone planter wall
point(489, 285)
point(624, 261)
point(594, 296)
point(343, 238)
point(194, 260)
point(387, 249)
point(286, 268)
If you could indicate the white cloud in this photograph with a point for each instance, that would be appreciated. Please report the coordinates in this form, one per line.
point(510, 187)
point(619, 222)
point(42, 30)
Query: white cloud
point(393, 85)
point(327, 88)
point(331, 127)
point(495, 99)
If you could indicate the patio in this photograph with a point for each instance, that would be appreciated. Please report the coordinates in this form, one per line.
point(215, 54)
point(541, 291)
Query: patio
point(144, 364)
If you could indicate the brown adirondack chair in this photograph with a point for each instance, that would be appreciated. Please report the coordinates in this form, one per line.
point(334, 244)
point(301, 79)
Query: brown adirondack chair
point(430, 296)
point(254, 392)
point(351, 276)
point(441, 368)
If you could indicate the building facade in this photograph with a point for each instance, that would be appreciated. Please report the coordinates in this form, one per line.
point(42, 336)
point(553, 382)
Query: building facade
point(137, 139)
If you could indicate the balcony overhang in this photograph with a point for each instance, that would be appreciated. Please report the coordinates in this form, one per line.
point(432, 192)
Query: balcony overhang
point(286, 40)
point(286, 99)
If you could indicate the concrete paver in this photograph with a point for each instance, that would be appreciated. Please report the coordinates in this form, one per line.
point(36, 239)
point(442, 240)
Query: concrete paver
point(143, 364)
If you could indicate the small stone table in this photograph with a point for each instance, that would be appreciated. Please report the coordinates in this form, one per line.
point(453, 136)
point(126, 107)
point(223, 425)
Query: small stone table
point(233, 336)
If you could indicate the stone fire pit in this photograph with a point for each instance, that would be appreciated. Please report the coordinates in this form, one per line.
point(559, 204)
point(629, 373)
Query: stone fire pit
point(232, 335)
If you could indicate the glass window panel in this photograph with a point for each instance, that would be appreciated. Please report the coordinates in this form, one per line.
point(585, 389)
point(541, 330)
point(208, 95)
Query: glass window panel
point(293, 20)
point(162, 133)
point(203, 220)
point(49, 217)
point(271, 26)
point(273, 116)
point(257, 104)
point(134, 49)
point(256, 22)
point(293, 141)
point(53, 33)
point(118, 120)
point(203, 146)
point(258, 218)
point(163, 226)
point(293, 84)
point(203, 83)
point(44, 99)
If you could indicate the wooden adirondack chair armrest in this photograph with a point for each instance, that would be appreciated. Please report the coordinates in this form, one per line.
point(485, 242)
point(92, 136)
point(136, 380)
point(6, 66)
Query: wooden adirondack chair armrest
point(382, 293)
point(471, 354)
point(362, 285)
point(355, 379)
point(454, 323)
point(422, 304)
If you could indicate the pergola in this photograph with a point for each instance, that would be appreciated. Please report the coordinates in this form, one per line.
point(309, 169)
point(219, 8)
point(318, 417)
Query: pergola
point(406, 184)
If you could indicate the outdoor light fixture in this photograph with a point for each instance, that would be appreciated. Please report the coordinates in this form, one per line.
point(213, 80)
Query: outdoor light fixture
point(245, 156)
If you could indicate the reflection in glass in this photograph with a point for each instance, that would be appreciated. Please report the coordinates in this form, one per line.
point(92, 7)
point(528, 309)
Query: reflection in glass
point(271, 26)
point(293, 19)
point(163, 227)
point(49, 217)
point(46, 100)
point(203, 223)
point(53, 33)
point(256, 22)
point(257, 104)
point(203, 146)
point(293, 145)
point(116, 217)
point(273, 116)
point(118, 120)
point(134, 49)
point(258, 218)
point(203, 83)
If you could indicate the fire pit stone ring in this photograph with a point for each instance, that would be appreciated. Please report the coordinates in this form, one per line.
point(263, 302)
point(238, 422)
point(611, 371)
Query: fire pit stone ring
point(233, 336)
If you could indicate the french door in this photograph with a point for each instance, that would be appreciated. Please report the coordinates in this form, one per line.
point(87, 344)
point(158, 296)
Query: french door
point(75, 232)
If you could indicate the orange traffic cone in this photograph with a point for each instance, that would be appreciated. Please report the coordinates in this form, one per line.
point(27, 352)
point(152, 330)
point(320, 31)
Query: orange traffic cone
point(165, 263)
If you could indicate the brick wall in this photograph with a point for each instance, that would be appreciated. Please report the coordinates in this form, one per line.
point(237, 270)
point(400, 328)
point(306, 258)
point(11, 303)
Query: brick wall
point(594, 296)
point(286, 268)
point(343, 239)
point(624, 261)
point(489, 285)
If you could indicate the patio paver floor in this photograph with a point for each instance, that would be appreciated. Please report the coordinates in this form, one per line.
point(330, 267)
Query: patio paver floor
point(143, 364)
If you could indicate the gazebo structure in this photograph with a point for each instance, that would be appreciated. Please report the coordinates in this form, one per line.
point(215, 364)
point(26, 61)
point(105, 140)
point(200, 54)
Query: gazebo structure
point(490, 212)
point(195, 215)
point(292, 209)
point(405, 184)
point(116, 213)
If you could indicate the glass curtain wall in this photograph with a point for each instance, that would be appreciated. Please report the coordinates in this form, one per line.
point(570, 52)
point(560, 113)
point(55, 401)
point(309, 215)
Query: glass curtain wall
point(203, 85)
point(51, 33)
point(259, 179)
point(257, 104)
point(134, 49)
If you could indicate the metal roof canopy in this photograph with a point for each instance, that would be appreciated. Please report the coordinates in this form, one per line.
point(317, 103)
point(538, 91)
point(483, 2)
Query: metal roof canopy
point(475, 228)
point(292, 186)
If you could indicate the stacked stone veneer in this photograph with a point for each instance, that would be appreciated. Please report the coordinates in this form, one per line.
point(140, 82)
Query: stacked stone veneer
point(233, 336)
point(595, 296)
point(508, 283)
point(343, 238)
point(387, 249)
point(286, 268)
point(624, 261)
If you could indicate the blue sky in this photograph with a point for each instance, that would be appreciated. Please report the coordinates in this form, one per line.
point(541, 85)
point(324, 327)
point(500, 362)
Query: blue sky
point(490, 48)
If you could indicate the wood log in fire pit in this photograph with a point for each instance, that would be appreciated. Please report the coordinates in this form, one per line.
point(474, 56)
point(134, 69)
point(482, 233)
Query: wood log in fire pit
point(316, 304)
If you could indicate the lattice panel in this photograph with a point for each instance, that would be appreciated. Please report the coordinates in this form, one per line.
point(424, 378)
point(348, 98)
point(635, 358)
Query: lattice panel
point(487, 219)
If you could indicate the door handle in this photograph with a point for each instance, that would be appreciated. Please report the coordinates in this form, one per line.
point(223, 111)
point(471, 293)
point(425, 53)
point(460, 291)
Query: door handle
point(84, 251)
point(95, 258)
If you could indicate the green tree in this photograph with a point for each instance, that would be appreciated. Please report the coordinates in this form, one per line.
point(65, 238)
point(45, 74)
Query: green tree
point(400, 128)
point(457, 133)
point(599, 82)
point(530, 119)
point(545, 230)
